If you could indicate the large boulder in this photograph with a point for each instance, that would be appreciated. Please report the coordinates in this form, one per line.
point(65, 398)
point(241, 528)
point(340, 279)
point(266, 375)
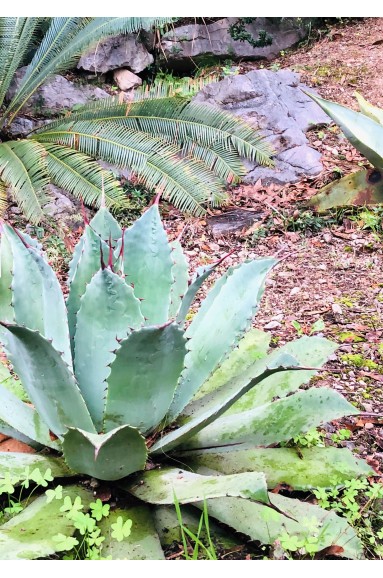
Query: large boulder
point(186, 46)
point(55, 95)
point(117, 52)
point(275, 104)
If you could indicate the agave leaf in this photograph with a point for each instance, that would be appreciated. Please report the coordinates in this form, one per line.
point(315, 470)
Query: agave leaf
point(267, 525)
point(47, 379)
point(218, 326)
point(308, 351)
point(23, 418)
point(180, 276)
point(143, 542)
point(360, 188)
point(365, 134)
point(368, 109)
point(30, 534)
point(311, 468)
point(204, 412)
point(109, 311)
point(162, 486)
point(274, 422)
point(8, 381)
point(167, 523)
point(148, 265)
point(109, 456)
point(201, 275)
point(14, 464)
point(250, 349)
point(106, 226)
point(7, 313)
point(87, 265)
point(144, 376)
point(37, 298)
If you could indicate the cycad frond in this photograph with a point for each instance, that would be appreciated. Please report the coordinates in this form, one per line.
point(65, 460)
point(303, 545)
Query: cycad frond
point(16, 36)
point(82, 176)
point(154, 161)
point(23, 169)
point(178, 120)
point(3, 198)
point(63, 44)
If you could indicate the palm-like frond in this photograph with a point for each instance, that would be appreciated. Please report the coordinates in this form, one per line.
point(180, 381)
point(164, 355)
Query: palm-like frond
point(82, 176)
point(186, 150)
point(177, 119)
point(16, 36)
point(63, 44)
point(186, 182)
point(23, 169)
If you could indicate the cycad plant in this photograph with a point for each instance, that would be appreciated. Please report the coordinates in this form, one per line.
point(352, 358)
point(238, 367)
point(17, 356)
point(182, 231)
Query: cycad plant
point(186, 150)
point(131, 393)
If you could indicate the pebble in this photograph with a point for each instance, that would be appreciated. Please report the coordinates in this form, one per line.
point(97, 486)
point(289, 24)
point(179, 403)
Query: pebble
point(369, 426)
point(368, 407)
point(294, 291)
point(278, 317)
point(272, 325)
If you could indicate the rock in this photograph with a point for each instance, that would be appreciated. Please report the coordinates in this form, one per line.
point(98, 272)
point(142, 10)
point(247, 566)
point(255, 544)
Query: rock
point(125, 79)
point(184, 47)
point(55, 95)
point(22, 126)
point(64, 208)
point(117, 52)
point(232, 222)
point(272, 325)
point(273, 102)
point(294, 291)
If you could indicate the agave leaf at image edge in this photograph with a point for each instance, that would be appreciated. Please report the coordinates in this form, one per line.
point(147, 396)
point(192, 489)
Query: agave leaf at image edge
point(37, 298)
point(143, 377)
point(365, 134)
point(7, 313)
point(274, 422)
point(308, 469)
point(109, 456)
point(162, 486)
point(14, 464)
point(148, 265)
point(47, 379)
point(359, 189)
point(23, 418)
point(368, 109)
point(108, 312)
point(266, 525)
point(30, 534)
point(218, 326)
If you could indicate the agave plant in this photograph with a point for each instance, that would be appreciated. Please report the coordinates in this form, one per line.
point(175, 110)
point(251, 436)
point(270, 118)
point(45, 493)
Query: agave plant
point(364, 130)
point(132, 393)
point(187, 150)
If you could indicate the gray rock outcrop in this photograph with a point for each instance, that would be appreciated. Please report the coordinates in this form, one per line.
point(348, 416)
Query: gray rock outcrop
point(185, 46)
point(275, 104)
point(124, 51)
point(55, 95)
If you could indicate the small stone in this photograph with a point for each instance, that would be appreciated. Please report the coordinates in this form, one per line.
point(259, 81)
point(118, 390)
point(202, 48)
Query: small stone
point(125, 79)
point(294, 291)
point(270, 282)
point(336, 308)
point(327, 237)
point(367, 407)
point(272, 325)
point(369, 425)
point(278, 317)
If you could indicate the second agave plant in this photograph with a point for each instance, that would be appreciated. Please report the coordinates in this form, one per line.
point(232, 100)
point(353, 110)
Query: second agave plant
point(127, 391)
